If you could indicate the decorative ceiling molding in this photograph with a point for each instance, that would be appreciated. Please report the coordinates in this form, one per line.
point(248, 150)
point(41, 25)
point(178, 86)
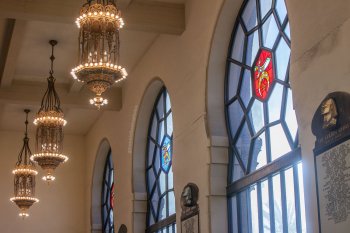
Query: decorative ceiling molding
point(158, 17)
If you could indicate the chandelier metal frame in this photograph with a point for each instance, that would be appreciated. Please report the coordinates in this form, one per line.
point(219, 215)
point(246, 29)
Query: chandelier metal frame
point(50, 122)
point(98, 56)
point(24, 176)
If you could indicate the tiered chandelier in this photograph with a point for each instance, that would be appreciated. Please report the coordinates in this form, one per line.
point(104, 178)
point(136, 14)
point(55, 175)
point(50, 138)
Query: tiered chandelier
point(24, 181)
point(98, 60)
point(49, 134)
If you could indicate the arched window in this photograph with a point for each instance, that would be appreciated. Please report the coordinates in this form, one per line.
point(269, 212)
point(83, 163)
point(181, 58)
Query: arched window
point(108, 196)
point(159, 173)
point(265, 185)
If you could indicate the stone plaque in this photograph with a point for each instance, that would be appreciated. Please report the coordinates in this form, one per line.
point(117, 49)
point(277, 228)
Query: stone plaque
point(331, 126)
point(190, 209)
point(190, 225)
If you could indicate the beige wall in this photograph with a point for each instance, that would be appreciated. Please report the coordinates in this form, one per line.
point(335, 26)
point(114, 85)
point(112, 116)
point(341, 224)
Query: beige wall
point(320, 32)
point(62, 205)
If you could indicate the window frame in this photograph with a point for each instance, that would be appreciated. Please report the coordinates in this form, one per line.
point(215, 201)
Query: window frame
point(284, 162)
point(108, 186)
point(171, 219)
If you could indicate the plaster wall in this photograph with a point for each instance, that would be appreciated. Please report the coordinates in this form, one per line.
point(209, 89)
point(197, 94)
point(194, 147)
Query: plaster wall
point(320, 32)
point(62, 204)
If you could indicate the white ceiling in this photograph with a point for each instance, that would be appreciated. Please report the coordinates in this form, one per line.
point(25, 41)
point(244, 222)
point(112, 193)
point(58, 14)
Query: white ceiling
point(27, 62)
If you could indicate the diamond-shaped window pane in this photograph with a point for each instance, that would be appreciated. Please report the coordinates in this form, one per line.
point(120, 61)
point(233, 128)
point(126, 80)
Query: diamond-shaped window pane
point(279, 142)
point(275, 103)
point(162, 182)
point(249, 15)
point(238, 44)
point(259, 158)
point(290, 117)
point(169, 123)
point(252, 48)
point(246, 88)
point(161, 131)
point(160, 108)
point(162, 208)
point(287, 31)
point(151, 152)
point(270, 32)
point(171, 200)
point(151, 179)
point(233, 79)
point(282, 59)
point(170, 179)
point(167, 102)
point(256, 115)
point(236, 113)
point(281, 10)
point(153, 133)
point(243, 144)
point(236, 170)
point(265, 6)
point(156, 164)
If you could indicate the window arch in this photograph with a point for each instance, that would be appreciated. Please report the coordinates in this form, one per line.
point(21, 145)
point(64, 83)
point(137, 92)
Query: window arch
point(108, 196)
point(265, 185)
point(159, 175)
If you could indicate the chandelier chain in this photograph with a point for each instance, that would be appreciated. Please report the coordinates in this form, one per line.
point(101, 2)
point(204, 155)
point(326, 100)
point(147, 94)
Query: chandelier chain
point(25, 151)
point(51, 101)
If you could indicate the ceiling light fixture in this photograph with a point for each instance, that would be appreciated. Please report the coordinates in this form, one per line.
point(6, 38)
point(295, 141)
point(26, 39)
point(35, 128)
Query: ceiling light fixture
point(49, 134)
point(24, 181)
point(98, 60)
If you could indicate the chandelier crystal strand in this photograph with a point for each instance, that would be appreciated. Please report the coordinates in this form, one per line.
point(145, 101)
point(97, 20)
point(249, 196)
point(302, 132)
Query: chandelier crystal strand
point(49, 134)
point(24, 180)
point(98, 61)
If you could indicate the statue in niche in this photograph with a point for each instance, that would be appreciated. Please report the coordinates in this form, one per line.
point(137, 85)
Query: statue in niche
point(189, 196)
point(329, 113)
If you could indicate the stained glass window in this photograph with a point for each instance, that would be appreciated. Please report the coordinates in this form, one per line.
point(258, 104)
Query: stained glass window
point(159, 174)
point(108, 196)
point(261, 124)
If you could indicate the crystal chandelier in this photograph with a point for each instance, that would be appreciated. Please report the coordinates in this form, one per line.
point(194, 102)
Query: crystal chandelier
point(98, 61)
point(49, 134)
point(25, 172)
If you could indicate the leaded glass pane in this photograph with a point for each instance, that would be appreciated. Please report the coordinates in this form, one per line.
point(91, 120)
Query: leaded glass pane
point(281, 10)
point(275, 103)
point(269, 32)
point(282, 59)
point(236, 109)
point(233, 78)
point(236, 172)
point(252, 48)
point(249, 15)
point(246, 90)
point(160, 191)
point(265, 7)
point(238, 47)
point(279, 142)
point(256, 116)
point(259, 158)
